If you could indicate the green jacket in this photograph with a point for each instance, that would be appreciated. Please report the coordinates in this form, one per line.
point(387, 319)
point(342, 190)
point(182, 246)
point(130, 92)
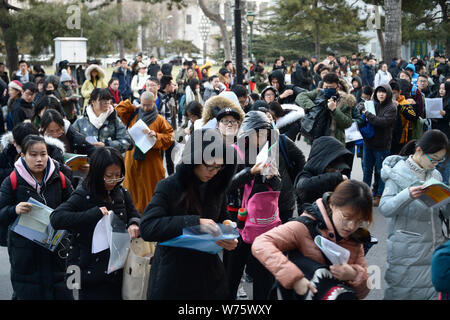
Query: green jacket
point(341, 116)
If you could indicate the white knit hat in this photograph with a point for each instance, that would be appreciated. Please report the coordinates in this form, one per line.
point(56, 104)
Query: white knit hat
point(15, 84)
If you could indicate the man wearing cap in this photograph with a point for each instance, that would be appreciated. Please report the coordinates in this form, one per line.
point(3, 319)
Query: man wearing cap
point(68, 99)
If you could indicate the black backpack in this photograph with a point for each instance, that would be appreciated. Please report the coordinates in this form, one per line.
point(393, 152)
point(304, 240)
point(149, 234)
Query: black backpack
point(317, 120)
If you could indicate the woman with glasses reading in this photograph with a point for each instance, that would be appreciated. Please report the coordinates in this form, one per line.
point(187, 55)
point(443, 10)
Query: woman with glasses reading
point(100, 121)
point(99, 193)
point(414, 229)
point(338, 217)
point(193, 195)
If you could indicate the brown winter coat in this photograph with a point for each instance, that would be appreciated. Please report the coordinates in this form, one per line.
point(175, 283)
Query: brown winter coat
point(268, 248)
point(141, 177)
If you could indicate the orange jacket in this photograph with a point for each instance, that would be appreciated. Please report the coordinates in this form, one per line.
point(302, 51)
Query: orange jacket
point(141, 177)
point(268, 248)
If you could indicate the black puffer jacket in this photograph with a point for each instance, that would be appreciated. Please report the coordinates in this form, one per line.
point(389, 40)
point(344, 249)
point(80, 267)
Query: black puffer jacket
point(313, 181)
point(179, 273)
point(36, 272)
point(80, 214)
point(279, 75)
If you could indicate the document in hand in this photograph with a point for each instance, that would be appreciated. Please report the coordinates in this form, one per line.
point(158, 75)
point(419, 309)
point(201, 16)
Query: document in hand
point(370, 106)
point(433, 108)
point(437, 194)
point(111, 233)
point(75, 161)
point(91, 139)
point(200, 239)
point(334, 252)
point(352, 133)
point(141, 139)
point(35, 226)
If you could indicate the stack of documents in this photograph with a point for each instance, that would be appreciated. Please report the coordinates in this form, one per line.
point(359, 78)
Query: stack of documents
point(35, 226)
point(334, 252)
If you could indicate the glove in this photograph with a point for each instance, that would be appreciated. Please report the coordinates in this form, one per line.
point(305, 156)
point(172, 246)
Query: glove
point(360, 107)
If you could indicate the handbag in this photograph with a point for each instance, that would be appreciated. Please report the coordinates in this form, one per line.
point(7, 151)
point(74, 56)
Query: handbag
point(136, 272)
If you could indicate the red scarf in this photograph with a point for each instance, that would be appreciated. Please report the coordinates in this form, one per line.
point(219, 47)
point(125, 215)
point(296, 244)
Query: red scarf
point(115, 95)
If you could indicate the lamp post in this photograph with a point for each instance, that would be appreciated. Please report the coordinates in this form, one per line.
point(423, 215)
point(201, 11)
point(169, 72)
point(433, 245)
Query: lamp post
point(204, 32)
point(238, 41)
point(251, 18)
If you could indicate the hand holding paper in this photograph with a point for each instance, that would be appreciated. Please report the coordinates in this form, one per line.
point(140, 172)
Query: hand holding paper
point(142, 140)
point(334, 252)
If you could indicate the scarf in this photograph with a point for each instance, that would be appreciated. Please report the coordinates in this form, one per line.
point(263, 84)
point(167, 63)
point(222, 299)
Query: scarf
point(23, 170)
point(148, 117)
point(100, 120)
point(115, 94)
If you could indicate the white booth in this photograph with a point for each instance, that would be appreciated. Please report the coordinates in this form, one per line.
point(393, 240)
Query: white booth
point(72, 49)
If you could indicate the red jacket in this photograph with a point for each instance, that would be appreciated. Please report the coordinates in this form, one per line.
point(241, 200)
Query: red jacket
point(268, 248)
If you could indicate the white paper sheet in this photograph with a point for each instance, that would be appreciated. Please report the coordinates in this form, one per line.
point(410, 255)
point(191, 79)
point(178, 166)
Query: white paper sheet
point(91, 139)
point(141, 139)
point(370, 106)
point(433, 108)
point(38, 218)
point(263, 154)
point(334, 252)
point(100, 236)
point(352, 133)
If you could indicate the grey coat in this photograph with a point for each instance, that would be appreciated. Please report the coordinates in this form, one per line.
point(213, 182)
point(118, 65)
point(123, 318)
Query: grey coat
point(112, 133)
point(413, 231)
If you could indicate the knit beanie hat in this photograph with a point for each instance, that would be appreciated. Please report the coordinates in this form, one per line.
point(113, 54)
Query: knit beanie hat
point(15, 84)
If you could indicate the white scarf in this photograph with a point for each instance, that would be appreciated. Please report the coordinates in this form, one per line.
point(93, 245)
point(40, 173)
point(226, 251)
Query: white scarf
point(98, 121)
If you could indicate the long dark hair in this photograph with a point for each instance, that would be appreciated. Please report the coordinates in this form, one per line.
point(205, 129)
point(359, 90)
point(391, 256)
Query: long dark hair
point(30, 141)
point(48, 102)
point(100, 94)
point(100, 159)
point(432, 141)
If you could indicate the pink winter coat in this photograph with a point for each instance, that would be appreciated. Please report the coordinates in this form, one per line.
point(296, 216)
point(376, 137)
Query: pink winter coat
point(268, 248)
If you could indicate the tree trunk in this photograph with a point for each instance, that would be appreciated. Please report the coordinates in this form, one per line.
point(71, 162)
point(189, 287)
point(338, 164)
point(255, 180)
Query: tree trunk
point(119, 21)
point(393, 29)
point(444, 9)
point(222, 25)
point(317, 39)
point(382, 44)
point(10, 39)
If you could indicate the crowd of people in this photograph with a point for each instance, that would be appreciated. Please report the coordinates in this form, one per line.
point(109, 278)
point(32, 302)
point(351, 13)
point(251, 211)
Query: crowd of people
point(280, 205)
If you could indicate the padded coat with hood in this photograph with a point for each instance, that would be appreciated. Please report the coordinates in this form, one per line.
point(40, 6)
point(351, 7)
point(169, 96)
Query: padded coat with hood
point(413, 231)
point(290, 123)
point(88, 85)
point(279, 75)
point(180, 273)
point(383, 121)
point(35, 270)
point(313, 181)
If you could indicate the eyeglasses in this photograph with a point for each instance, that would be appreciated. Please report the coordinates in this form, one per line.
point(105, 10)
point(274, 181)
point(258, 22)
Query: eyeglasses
point(111, 180)
point(347, 221)
point(435, 161)
point(212, 168)
point(227, 122)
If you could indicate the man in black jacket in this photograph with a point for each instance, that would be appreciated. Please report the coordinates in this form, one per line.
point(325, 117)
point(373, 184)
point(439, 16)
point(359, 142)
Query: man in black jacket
point(303, 76)
point(287, 93)
point(328, 165)
point(22, 109)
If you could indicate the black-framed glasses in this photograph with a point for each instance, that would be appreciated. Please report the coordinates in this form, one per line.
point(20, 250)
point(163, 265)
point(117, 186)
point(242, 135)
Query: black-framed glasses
point(227, 122)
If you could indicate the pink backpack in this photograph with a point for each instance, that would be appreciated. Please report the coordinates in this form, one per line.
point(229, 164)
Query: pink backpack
point(262, 210)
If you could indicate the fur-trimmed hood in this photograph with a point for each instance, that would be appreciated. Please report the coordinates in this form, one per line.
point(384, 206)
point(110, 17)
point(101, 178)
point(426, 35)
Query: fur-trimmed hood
point(101, 72)
point(295, 114)
point(346, 99)
point(7, 140)
point(217, 103)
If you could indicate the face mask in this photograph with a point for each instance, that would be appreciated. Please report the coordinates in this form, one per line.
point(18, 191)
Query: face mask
point(48, 92)
point(329, 92)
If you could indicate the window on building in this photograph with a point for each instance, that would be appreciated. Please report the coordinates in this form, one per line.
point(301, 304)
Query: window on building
point(188, 19)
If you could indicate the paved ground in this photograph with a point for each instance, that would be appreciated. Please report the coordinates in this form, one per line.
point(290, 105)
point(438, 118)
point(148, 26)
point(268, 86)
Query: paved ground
point(375, 258)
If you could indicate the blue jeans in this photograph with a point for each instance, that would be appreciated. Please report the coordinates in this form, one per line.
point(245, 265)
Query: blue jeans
point(371, 159)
